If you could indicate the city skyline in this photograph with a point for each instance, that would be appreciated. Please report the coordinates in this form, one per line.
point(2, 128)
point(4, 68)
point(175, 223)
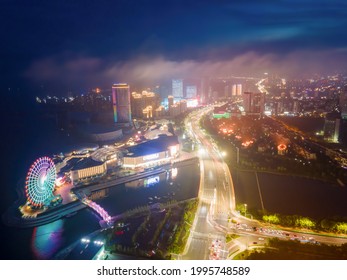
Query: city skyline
point(198, 130)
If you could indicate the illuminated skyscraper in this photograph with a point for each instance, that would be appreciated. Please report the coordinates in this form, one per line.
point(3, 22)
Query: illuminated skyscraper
point(332, 128)
point(140, 101)
point(121, 103)
point(343, 103)
point(177, 88)
point(239, 90)
point(233, 90)
point(254, 103)
point(236, 90)
point(191, 91)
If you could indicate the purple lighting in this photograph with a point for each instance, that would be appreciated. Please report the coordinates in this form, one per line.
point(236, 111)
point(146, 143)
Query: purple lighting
point(101, 211)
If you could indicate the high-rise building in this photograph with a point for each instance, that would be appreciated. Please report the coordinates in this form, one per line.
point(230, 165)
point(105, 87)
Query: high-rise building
point(239, 89)
point(343, 103)
point(136, 105)
point(254, 103)
point(177, 88)
point(170, 100)
point(191, 91)
point(236, 90)
point(204, 84)
point(174, 110)
point(147, 112)
point(183, 106)
point(140, 101)
point(233, 90)
point(159, 112)
point(296, 107)
point(332, 128)
point(121, 103)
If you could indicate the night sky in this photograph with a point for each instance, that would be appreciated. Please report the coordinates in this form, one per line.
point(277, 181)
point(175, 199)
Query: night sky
point(76, 44)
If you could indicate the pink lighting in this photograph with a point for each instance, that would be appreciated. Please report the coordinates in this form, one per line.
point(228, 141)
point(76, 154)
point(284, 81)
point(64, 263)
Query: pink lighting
point(101, 211)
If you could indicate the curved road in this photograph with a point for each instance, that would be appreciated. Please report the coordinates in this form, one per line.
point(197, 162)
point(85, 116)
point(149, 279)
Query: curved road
point(217, 205)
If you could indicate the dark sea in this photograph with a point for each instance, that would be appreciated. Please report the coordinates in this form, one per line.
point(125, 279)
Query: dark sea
point(27, 134)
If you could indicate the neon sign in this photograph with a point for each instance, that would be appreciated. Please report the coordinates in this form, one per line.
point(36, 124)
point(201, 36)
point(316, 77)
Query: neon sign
point(150, 157)
point(151, 181)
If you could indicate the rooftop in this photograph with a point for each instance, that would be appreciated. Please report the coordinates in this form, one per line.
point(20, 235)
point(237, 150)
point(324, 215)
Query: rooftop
point(152, 146)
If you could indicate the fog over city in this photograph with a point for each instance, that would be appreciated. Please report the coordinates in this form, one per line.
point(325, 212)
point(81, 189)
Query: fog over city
point(142, 70)
point(62, 46)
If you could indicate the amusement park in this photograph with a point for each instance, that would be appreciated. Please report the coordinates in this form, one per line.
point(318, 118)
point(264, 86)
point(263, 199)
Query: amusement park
point(56, 188)
point(47, 194)
point(59, 186)
point(40, 185)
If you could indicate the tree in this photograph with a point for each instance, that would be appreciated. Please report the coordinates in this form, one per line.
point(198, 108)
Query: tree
point(341, 227)
point(272, 219)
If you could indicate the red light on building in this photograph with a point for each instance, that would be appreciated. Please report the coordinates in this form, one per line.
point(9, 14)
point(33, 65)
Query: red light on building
point(281, 147)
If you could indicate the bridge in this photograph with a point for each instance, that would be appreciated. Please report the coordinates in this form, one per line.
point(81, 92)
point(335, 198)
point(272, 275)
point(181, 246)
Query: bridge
point(98, 209)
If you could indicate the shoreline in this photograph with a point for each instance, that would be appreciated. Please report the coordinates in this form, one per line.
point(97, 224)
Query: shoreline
point(12, 218)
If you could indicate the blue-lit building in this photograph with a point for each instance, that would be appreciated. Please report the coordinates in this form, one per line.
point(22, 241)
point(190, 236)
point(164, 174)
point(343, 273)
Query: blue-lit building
point(152, 153)
point(177, 88)
point(121, 104)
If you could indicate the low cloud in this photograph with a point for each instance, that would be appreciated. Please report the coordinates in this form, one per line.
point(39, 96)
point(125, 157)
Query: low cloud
point(84, 71)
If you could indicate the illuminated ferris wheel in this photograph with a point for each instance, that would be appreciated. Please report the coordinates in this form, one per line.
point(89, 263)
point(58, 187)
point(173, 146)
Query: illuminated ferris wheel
point(40, 181)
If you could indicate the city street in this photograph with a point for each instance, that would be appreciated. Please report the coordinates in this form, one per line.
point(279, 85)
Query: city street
point(217, 208)
point(211, 222)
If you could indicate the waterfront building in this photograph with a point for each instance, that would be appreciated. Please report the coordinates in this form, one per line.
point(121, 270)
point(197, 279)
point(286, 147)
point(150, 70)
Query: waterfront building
point(100, 133)
point(121, 103)
point(152, 153)
point(84, 168)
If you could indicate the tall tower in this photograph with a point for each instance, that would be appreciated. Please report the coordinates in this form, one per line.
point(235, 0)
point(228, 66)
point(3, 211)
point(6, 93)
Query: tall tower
point(233, 90)
point(177, 88)
point(121, 103)
point(254, 103)
point(236, 90)
point(343, 103)
point(191, 91)
point(332, 127)
point(239, 89)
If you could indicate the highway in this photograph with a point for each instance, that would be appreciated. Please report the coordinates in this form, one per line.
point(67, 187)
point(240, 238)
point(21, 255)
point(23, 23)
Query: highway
point(217, 206)
point(216, 198)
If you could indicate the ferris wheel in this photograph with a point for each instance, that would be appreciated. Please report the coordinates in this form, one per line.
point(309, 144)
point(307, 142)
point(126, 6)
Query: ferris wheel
point(40, 181)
